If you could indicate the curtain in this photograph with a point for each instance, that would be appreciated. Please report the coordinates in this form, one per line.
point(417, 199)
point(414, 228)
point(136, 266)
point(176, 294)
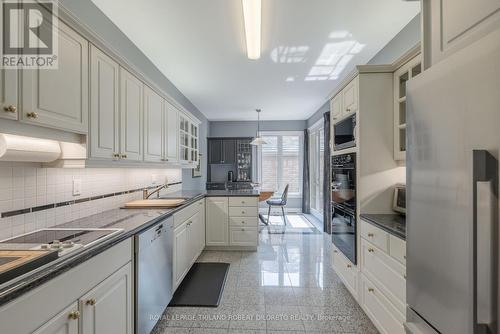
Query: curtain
point(327, 205)
point(306, 193)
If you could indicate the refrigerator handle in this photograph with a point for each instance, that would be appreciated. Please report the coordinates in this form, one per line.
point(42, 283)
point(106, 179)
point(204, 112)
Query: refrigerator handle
point(485, 250)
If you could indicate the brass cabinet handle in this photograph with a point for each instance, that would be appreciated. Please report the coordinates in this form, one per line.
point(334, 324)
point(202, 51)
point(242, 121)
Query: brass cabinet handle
point(91, 302)
point(116, 155)
point(349, 266)
point(124, 156)
point(371, 290)
point(371, 250)
point(74, 315)
point(335, 251)
point(242, 211)
point(243, 222)
point(243, 229)
point(371, 235)
point(242, 202)
point(348, 109)
point(32, 115)
point(10, 108)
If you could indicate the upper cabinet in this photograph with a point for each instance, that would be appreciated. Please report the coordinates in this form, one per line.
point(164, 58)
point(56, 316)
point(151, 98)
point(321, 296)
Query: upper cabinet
point(171, 139)
point(58, 98)
point(450, 25)
point(401, 76)
point(345, 102)
point(104, 106)
point(8, 94)
point(131, 116)
point(154, 128)
point(188, 140)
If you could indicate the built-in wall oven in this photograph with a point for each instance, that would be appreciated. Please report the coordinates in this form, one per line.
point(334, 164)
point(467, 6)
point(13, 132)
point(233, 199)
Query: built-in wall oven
point(344, 204)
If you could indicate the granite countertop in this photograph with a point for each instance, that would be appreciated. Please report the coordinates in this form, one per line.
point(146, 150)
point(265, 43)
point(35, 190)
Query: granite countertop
point(394, 224)
point(132, 221)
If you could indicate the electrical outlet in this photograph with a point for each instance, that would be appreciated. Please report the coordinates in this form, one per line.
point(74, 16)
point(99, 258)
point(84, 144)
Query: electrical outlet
point(77, 187)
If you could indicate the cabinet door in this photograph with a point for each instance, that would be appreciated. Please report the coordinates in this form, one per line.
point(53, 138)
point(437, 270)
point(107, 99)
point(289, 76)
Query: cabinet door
point(172, 133)
point(8, 94)
point(215, 151)
point(153, 126)
point(217, 221)
point(180, 253)
point(451, 25)
point(336, 108)
point(229, 151)
point(66, 322)
point(350, 97)
point(104, 105)
point(108, 307)
point(131, 108)
point(58, 98)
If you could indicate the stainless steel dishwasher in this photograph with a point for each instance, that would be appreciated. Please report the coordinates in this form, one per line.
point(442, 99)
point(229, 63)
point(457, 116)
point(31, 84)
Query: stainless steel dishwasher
point(153, 274)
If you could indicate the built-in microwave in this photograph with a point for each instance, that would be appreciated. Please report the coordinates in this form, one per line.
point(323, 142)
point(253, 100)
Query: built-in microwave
point(399, 200)
point(344, 133)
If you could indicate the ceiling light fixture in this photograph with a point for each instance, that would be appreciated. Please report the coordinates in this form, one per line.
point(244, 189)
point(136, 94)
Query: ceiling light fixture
point(258, 139)
point(252, 13)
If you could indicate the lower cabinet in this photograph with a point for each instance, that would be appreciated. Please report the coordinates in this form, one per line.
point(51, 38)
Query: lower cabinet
point(217, 221)
point(95, 297)
point(347, 271)
point(189, 239)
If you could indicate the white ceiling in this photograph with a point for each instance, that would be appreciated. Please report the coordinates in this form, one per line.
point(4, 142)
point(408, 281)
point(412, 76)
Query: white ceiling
point(308, 46)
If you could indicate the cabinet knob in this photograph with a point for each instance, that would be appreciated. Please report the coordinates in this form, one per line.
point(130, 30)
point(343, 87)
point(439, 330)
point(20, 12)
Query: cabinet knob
point(116, 155)
point(32, 115)
point(242, 211)
point(335, 251)
point(371, 235)
point(371, 290)
point(348, 109)
point(10, 108)
point(74, 315)
point(91, 302)
point(243, 229)
point(371, 250)
point(243, 222)
point(124, 156)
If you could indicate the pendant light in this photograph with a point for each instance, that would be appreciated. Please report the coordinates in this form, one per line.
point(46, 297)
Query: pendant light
point(258, 140)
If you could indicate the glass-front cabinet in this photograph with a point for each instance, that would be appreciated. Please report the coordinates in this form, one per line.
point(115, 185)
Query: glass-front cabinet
point(402, 75)
point(188, 141)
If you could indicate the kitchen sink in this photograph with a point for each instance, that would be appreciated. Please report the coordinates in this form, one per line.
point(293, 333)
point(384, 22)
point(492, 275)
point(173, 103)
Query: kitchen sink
point(156, 203)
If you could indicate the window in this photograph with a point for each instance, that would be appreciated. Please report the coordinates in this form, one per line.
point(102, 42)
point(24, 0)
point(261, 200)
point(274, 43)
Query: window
point(281, 161)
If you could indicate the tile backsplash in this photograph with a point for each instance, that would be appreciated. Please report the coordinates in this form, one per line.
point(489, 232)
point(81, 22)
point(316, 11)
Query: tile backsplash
point(23, 186)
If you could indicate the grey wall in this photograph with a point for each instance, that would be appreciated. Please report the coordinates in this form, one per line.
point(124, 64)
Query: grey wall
point(249, 128)
point(318, 114)
point(407, 38)
point(101, 25)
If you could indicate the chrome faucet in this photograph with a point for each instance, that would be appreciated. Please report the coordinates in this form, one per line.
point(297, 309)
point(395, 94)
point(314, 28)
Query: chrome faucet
point(146, 194)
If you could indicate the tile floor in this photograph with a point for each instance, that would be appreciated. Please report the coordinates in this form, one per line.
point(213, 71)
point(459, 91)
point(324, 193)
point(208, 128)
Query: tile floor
point(287, 286)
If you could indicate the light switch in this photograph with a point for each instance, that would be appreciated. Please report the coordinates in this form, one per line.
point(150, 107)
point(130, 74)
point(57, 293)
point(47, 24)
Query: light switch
point(77, 187)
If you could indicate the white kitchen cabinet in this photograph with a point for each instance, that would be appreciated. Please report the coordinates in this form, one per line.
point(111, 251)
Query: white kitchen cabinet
point(450, 25)
point(153, 126)
point(188, 141)
point(58, 98)
point(243, 236)
point(217, 221)
point(350, 98)
point(8, 94)
point(172, 133)
point(104, 106)
point(181, 251)
point(348, 272)
point(131, 116)
point(336, 108)
point(66, 322)
point(108, 307)
point(401, 76)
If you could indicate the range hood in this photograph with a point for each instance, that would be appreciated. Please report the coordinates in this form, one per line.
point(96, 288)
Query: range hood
point(50, 153)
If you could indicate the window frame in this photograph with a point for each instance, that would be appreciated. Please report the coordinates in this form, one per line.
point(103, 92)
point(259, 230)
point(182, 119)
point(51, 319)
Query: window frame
point(300, 134)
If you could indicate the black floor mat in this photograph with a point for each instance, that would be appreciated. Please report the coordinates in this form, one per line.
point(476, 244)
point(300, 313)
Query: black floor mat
point(202, 286)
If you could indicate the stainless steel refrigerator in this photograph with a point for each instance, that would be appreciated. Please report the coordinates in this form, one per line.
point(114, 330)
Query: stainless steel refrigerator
point(453, 142)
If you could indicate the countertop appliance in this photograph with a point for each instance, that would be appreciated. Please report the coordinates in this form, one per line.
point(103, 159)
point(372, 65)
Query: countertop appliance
point(154, 263)
point(344, 204)
point(399, 199)
point(453, 118)
point(344, 133)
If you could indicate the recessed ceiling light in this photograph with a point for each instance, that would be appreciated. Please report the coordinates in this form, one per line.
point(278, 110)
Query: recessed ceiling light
point(252, 12)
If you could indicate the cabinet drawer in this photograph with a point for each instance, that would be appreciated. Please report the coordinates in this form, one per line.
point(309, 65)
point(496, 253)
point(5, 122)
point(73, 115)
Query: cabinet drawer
point(397, 249)
point(346, 271)
point(375, 235)
point(385, 317)
point(242, 211)
point(243, 236)
point(186, 213)
point(388, 272)
point(244, 221)
point(243, 201)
